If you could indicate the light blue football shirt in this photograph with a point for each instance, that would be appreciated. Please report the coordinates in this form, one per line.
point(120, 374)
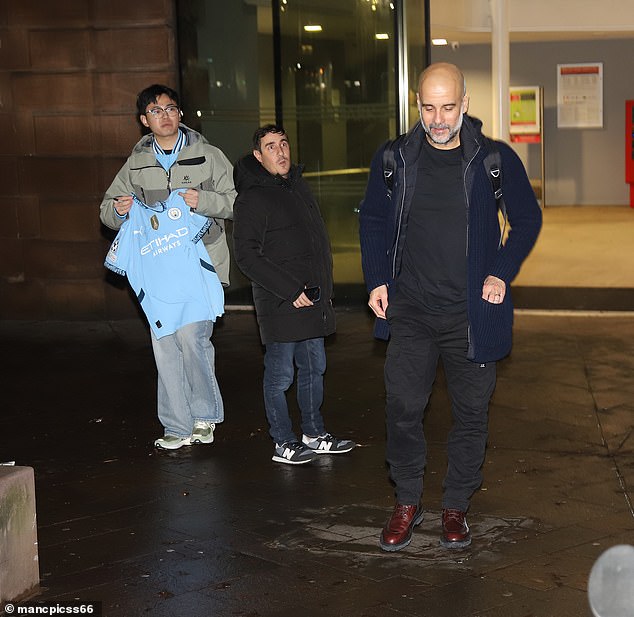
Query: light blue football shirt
point(158, 249)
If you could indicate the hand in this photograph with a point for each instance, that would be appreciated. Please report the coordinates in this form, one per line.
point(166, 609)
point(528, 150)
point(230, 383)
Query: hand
point(123, 204)
point(378, 301)
point(190, 197)
point(302, 301)
point(493, 290)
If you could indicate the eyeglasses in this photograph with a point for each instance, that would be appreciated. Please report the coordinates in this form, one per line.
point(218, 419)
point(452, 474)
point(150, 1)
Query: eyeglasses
point(157, 112)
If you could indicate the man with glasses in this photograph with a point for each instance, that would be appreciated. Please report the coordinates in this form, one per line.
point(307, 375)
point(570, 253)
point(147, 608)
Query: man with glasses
point(174, 160)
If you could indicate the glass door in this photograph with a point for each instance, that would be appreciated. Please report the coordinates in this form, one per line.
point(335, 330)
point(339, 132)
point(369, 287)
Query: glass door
point(338, 92)
point(327, 69)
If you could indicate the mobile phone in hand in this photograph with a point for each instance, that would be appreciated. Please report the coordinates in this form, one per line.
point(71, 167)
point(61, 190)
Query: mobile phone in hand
point(313, 293)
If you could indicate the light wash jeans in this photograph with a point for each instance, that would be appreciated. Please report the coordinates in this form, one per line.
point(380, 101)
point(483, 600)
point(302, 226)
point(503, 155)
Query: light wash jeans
point(187, 385)
point(279, 369)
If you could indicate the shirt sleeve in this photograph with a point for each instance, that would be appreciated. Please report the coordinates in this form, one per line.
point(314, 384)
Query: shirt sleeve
point(118, 255)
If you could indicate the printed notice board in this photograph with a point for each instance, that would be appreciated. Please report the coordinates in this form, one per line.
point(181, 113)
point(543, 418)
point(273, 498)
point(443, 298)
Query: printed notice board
point(580, 95)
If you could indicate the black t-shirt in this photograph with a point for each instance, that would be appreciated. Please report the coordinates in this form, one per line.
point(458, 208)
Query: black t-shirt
point(434, 267)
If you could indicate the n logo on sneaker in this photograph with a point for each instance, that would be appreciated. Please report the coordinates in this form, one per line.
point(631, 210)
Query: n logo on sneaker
point(288, 453)
point(325, 445)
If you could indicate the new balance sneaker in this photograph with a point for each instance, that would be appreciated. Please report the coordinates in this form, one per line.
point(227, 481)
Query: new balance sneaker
point(327, 444)
point(203, 432)
point(171, 442)
point(292, 453)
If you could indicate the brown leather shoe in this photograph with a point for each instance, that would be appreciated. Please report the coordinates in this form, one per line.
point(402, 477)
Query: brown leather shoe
point(455, 531)
point(397, 533)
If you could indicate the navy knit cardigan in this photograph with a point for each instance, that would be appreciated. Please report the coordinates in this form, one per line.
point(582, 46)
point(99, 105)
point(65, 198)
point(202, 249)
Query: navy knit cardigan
point(383, 230)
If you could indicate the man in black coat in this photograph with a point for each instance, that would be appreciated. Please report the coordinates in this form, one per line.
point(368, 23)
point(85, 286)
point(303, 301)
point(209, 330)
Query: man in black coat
point(282, 245)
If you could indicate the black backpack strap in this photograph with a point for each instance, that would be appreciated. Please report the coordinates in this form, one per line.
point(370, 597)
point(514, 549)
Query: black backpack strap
point(389, 164)
point(493, 165)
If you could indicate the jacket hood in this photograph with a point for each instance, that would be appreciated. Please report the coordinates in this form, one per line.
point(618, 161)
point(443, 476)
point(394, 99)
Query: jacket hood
point(470, 137)
point(248, 172)
point(472, 123)
point(191, 137)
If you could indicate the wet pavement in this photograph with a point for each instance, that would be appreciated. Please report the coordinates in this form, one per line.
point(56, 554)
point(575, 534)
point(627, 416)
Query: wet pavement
point(221, 530)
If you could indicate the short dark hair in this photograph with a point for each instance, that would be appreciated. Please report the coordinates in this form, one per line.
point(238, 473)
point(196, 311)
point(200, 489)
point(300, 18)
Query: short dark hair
point(278, 129)
point(151, 94)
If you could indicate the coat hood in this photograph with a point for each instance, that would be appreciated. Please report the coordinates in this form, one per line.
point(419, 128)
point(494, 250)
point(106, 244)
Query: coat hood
point(471, 138)
point(248, 172)
point(191, 137)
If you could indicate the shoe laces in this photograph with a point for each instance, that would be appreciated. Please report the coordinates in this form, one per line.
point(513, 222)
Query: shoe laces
point(401, 511)
point(291, 445)
point(454, 515)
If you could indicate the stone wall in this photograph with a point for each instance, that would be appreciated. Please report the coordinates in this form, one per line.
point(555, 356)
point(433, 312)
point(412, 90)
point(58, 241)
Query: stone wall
point(69, 75)
point(19, 560)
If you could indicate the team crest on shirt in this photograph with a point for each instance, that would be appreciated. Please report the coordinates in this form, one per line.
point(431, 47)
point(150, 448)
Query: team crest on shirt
point(174, 214)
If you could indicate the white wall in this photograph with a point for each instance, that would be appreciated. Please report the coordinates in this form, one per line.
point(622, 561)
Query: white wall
point(583, 166)
point(570, 15)
point(542, 16)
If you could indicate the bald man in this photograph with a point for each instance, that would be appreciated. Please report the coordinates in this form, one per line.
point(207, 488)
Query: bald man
point(438, 278)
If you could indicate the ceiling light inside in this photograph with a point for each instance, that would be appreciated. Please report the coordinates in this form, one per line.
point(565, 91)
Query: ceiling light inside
point(439, 41)
point(313, 28)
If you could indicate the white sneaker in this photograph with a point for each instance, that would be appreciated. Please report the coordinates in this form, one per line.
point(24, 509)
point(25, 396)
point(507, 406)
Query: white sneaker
point(171, 442)
point(203, 432)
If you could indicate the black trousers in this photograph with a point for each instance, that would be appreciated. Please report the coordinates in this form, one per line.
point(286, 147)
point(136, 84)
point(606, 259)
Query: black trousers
point(418, 340)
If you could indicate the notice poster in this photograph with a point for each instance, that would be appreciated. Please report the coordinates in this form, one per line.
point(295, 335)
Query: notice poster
point(580, 95)
point(525, 114)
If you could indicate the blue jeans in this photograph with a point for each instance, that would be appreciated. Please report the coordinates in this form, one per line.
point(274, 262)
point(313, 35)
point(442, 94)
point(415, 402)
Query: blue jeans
point(279, 370)
point(187, 385)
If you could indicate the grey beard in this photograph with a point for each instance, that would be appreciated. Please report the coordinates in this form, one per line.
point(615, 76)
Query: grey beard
point(451, 135)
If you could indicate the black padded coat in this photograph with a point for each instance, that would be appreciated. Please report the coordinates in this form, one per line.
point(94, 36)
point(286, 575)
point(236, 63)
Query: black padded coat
point(282, 246)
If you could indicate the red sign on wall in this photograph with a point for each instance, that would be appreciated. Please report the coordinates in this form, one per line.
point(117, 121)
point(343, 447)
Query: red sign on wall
point(629, 148)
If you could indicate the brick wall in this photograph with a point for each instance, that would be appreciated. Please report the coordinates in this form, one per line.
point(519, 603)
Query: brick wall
point(69, 75)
